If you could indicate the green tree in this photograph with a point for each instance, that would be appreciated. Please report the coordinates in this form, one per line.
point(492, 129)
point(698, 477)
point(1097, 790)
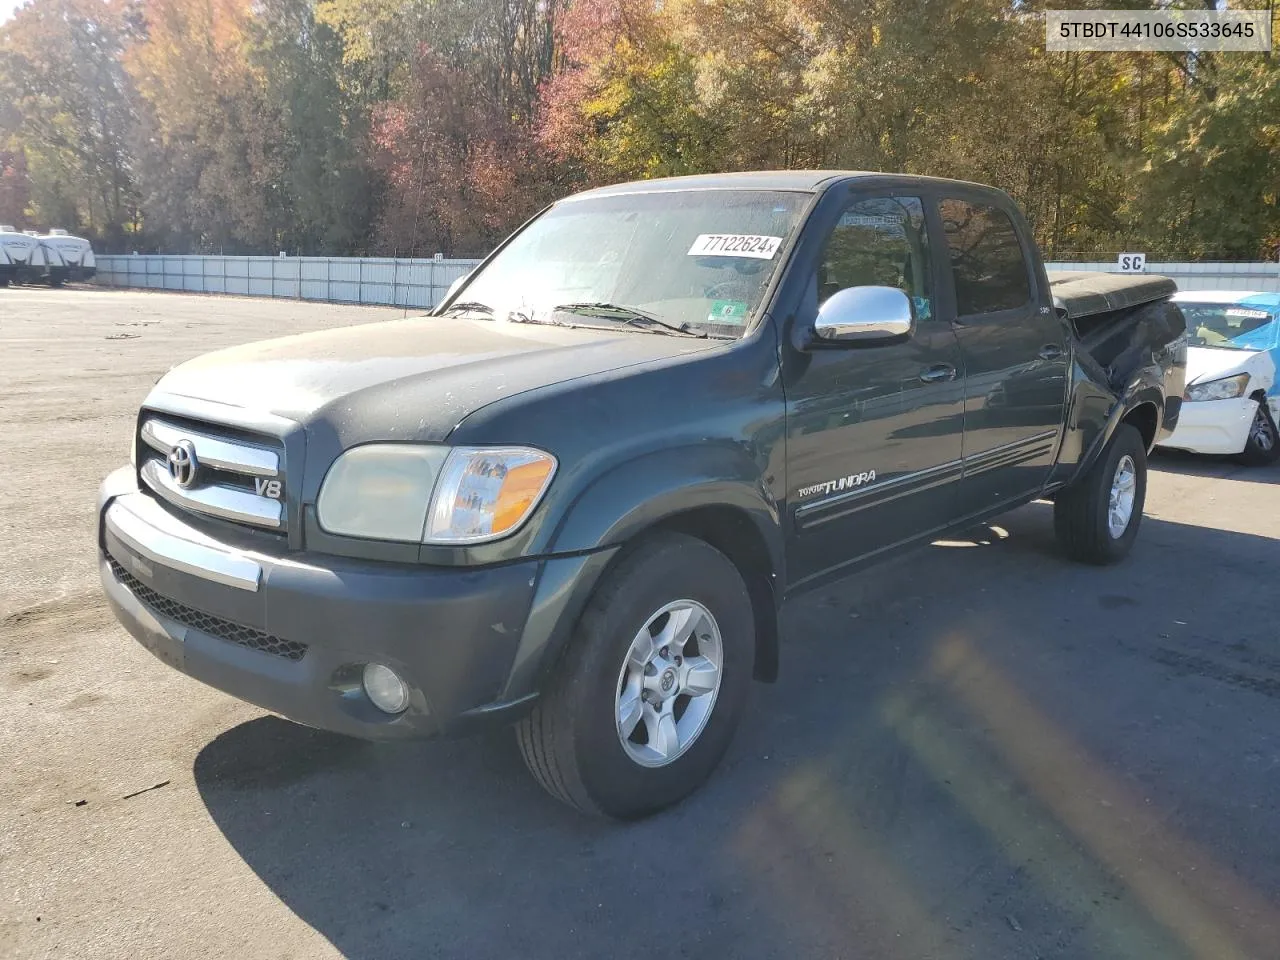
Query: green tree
point(328, 191)
point(68, 105)
point(15, 188)
point(211, 151)
point(1210, 186)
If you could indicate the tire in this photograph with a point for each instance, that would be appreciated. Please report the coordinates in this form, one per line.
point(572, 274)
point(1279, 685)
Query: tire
point(1263, 445)
point(572, 741)
point(1082, 513)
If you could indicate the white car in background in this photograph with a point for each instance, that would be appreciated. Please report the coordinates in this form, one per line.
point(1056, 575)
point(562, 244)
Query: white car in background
point(1232, 400)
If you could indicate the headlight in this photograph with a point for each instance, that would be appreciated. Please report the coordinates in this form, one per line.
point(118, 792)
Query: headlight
point(380, 491)
point(432, 493)
point(1224, 389)
point(485, 493)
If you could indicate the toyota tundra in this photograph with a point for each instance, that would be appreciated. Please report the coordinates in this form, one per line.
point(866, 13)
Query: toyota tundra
point(574, 497)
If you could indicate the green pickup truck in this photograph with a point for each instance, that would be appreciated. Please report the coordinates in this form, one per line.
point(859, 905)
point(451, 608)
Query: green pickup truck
point(574, 497)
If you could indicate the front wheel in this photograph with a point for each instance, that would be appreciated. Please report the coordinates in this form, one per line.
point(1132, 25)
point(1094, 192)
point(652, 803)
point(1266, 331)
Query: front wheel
point(1097, 517)
point(1263, 445)
point(645, 699)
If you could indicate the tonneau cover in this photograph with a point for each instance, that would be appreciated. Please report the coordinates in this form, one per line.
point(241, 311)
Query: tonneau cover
point(1083, 294)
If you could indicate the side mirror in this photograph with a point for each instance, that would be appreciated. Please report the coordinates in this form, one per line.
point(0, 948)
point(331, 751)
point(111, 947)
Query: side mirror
point(864, 315)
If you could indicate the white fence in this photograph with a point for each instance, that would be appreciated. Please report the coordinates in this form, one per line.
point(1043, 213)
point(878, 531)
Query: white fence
point(401, 283)
point(1262, 277)
point(422, 283)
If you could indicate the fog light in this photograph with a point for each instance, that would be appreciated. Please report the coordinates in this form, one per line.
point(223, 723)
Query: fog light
point(385, 688)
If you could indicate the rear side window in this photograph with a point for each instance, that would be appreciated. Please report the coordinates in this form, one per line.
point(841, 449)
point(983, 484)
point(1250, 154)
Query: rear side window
point(986, 259)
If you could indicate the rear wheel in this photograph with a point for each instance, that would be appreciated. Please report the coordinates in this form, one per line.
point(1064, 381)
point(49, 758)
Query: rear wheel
point(1097, 518)
point(1263, 445)
point(644, 701)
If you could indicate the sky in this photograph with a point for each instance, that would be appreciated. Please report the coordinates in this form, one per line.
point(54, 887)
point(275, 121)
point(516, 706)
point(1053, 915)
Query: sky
point(7, 7)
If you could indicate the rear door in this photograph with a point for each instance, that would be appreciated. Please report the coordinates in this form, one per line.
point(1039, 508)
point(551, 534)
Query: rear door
point(1014, 348)
point(873, 431)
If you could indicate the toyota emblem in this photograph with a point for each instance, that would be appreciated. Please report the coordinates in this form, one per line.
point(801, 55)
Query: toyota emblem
point(183, 465)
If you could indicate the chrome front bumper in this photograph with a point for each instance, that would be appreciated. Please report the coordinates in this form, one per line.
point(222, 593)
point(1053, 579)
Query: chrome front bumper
point(290, 630)
point(153, 534)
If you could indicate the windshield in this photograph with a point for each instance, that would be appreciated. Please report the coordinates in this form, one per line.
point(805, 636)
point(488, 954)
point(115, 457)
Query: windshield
point(1233, 326)
point(697, 260)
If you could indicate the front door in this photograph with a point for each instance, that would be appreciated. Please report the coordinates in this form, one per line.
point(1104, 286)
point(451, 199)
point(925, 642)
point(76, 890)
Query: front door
point(1015, 353)
point(873, 431)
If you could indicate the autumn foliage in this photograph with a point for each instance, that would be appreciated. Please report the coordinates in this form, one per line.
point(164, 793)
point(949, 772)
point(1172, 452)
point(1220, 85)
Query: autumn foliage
point(411, 127)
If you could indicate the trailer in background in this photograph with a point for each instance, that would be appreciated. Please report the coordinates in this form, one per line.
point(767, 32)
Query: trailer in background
point(76, 254)
point(25, 259)
point(55, 271)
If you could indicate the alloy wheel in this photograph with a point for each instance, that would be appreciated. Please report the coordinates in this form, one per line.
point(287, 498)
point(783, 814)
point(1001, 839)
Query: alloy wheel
point(1124, 488)
point(668, 683)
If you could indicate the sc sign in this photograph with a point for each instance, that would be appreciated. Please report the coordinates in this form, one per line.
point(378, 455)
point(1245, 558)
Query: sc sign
point(1132, 262)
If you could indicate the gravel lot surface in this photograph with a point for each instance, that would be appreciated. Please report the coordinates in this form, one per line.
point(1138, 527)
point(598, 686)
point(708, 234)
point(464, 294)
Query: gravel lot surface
point(979, 750)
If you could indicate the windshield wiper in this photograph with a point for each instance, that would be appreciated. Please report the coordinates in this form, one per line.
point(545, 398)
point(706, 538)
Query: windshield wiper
point(630, 315)
point(468, 306)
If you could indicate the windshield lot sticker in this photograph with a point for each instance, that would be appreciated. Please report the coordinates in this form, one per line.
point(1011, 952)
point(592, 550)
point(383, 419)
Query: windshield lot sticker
point(727, 311)
point(735, 245)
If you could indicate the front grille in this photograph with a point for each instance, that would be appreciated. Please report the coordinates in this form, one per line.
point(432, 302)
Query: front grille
point(207, 623)
point(224, 472)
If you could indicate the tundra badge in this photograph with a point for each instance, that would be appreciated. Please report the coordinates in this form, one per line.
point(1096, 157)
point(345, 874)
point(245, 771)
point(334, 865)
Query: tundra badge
point(836, 486)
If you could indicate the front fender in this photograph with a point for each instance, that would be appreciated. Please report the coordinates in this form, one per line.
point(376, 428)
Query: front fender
point(656, 486)
point(613, 509)
point(1145, 390)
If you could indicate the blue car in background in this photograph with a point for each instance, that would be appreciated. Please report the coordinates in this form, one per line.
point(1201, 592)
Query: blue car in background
point(1232, 399)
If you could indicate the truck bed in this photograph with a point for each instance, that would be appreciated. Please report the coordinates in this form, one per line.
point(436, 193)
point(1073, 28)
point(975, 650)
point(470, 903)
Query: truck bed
point(1083, 294)
point(1118, 319)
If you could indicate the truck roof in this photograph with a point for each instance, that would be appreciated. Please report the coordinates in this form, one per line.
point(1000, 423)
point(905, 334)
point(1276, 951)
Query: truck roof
point(805, 181)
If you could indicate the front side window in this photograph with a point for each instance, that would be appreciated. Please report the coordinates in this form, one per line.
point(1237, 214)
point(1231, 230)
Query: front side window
point(696, 259)
point(880, 242)
point(1234, 326)
point(987, 264)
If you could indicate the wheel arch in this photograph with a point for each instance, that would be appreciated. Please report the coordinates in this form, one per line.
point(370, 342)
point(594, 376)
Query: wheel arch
point(715, 494)
point(1142, 407)
point(1145, 416)
point(732, 531)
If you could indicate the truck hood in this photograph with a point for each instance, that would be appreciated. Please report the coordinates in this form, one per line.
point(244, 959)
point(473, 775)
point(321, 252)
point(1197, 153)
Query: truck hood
point(1214, 363)
point(412, 379)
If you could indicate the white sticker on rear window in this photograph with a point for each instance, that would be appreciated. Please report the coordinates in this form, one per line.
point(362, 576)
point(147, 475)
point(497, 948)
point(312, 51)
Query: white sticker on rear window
point(735, 245)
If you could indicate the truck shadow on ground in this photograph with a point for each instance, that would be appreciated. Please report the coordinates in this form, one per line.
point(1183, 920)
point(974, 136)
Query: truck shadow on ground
point(978, 750)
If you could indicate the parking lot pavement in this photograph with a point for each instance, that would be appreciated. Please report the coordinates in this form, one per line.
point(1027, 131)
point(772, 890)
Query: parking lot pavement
point(979, 750)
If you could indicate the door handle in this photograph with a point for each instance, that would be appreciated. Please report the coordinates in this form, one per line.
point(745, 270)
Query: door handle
point(938, 373)
point(1051, 351)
